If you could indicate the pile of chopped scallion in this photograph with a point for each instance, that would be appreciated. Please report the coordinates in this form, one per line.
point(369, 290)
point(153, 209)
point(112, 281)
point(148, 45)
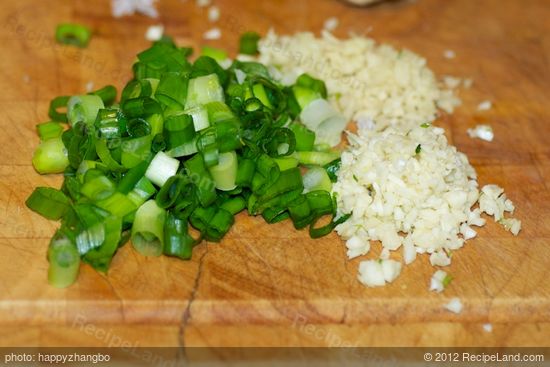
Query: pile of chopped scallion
point(189, 144)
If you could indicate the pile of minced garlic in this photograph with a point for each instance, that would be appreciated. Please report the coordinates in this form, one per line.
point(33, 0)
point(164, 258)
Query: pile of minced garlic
point(412, 191)
point(366, 81)
point(404, 185)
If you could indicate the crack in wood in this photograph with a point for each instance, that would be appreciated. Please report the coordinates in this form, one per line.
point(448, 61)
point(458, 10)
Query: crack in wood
point(118, 297)
point(187, 312)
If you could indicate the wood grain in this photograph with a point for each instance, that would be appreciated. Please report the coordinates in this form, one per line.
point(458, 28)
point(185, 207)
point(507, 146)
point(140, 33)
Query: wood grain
point(268, 285)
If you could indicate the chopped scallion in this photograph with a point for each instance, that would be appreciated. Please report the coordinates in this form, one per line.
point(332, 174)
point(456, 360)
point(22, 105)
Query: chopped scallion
point(48, 202)
point(64, 262)
point(73, 34)
point(161, 168)
point(190, 143)
point(51, 156)
point(316, 178)
point(215, 53)
point(148, 229)
point(203, 90)
point(84, 109)
point(225, 172)
point(48, 130)
point(249, 43)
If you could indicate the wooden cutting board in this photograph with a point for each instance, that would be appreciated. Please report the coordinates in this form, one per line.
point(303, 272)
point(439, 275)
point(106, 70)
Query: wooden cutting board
point(270, 285)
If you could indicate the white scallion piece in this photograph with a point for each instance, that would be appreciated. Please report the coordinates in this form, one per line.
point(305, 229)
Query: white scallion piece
point(161, 168)
point(226, 63)
point(240, 75)
point(316, 178)
point(203, 90)
point(225, 172)
point(327, 123)
point(200, 117)
point(316, 112)
point(330, 131)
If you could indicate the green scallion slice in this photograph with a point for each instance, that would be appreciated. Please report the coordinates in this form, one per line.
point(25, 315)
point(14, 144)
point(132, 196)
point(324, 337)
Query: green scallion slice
point(248, 44)
point(64, 262)
point(73, 34)
point(48, 130)
point(55, 105)
point(84, 109)
point(225, 172)
point(48, 202)
point(177, 241)
point(51, 156)
point(148, 229)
